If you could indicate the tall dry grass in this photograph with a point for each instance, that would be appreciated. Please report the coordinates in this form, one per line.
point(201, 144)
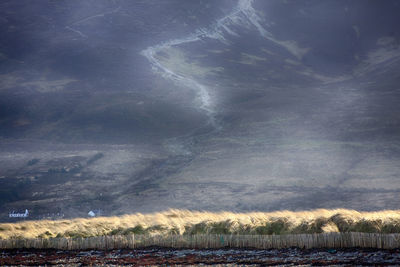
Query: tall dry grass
point(201, 222)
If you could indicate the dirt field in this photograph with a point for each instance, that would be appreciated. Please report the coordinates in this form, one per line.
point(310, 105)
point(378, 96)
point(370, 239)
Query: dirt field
point(221, 257)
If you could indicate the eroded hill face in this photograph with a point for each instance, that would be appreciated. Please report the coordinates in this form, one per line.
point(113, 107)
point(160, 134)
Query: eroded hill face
point(237, 105)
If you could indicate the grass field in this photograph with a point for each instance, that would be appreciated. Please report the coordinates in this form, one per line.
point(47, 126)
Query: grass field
point(184, 222)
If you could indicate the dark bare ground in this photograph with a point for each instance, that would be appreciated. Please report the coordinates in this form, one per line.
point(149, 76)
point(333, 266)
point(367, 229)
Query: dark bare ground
point(221, 257)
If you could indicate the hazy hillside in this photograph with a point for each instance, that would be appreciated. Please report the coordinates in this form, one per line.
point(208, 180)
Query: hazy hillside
point(142, 106)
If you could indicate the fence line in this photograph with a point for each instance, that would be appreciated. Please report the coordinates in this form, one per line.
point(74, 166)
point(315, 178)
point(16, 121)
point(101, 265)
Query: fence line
point(324, 240)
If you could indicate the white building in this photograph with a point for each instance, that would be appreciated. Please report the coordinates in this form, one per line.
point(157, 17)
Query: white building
point(13, 214)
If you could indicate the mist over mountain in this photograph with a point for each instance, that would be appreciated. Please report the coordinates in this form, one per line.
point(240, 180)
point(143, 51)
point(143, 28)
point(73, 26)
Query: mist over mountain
point(138, 106)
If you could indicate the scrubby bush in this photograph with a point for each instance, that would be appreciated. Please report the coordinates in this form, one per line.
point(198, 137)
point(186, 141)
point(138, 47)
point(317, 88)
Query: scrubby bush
point(219, 228)
point(75, 234)
point(199, 228)
point(275, 227)
point(391, 227)
point(344, 223)
point(367, 226)
point(138, 229)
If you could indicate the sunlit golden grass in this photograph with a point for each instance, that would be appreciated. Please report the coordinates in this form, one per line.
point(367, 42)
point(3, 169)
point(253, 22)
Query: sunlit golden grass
point(202, 222)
